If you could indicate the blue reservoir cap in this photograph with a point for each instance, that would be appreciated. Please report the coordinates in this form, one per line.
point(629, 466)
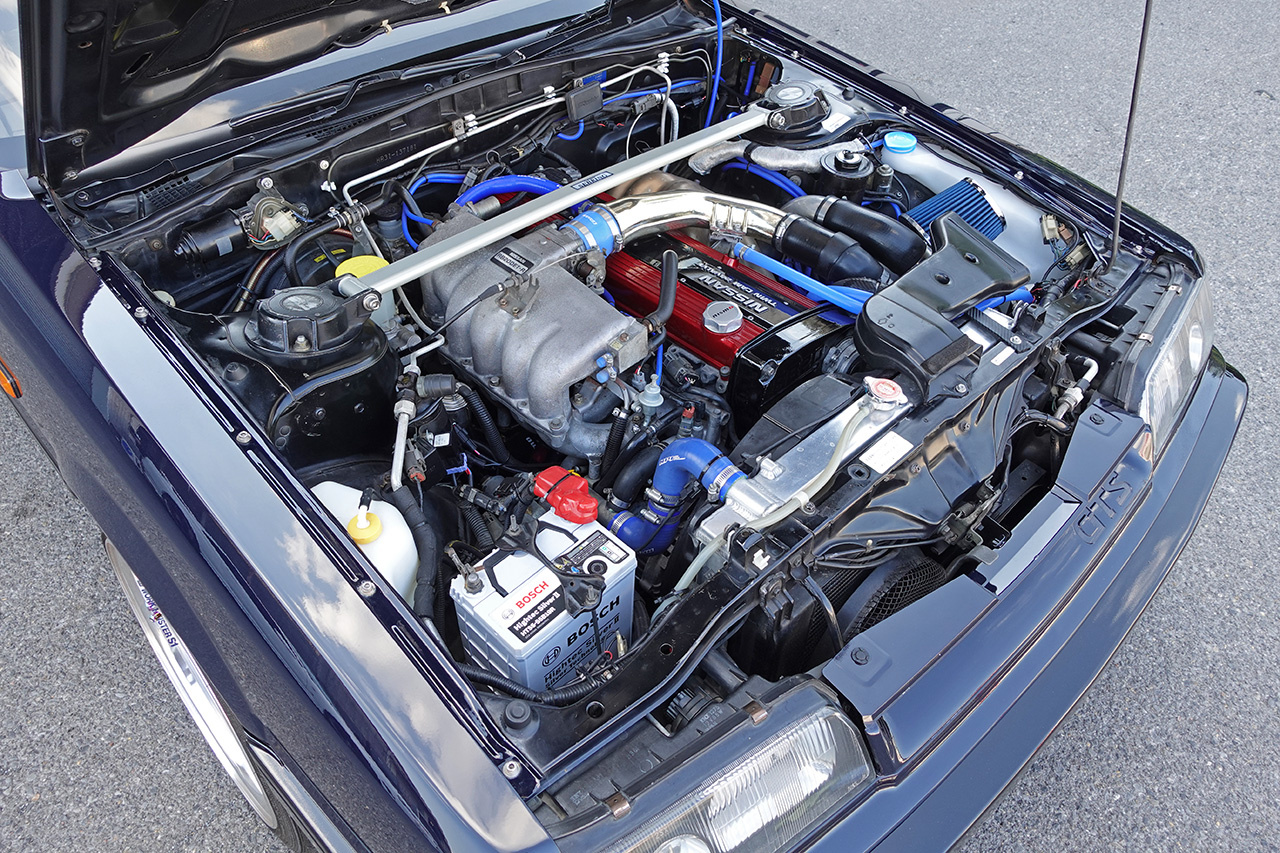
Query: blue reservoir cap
point(899, 142)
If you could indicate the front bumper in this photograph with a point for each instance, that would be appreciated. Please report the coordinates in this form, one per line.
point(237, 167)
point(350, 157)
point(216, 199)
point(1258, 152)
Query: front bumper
point(942, 788)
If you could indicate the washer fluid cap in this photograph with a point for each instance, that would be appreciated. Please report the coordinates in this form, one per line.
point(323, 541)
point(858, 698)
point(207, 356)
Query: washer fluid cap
point(899, 142)
point(369, 533)
point(359, 265)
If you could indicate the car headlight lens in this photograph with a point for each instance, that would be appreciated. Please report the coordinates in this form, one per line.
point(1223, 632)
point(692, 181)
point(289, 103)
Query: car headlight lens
point(1172, 369)
point(766, 800)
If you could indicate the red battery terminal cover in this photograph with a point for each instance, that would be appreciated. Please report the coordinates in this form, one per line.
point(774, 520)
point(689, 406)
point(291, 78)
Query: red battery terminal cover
point(568, 494)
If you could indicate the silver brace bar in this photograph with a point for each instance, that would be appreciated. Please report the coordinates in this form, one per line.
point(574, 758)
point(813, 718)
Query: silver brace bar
point(460, 245)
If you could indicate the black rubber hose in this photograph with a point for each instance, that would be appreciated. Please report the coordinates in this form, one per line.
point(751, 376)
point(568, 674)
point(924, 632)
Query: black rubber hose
point(559, 696)
point(635, 475)
point(255, 282)
point(617, 432)
point(292, 250)
point(638, 442)
point(476, 524)
point(428, 544)
point(889, 241)
point(831, 256)
point(479, 411)
point(666, 293)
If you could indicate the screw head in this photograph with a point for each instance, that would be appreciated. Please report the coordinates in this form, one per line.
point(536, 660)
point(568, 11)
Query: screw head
point(366, 588)
point(324, 164)
point(1015, 339)
point(961, 388)
point(371, 300)
point(266, 183)
point(82, 198)
point(243, 438)
point(777, 121)
point(141, 313)
point(511, 768)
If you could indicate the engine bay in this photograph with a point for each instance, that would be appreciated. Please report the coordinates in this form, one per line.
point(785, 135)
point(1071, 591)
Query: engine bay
point(649, 374)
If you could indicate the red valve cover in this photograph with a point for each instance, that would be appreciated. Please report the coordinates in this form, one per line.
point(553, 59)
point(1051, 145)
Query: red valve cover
point(706, 276)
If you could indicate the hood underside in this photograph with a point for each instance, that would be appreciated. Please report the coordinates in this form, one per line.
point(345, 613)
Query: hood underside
point(101, 76)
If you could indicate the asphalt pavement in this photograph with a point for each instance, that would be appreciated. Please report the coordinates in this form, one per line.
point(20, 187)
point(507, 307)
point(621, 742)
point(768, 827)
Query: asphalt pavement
point(1177, 746)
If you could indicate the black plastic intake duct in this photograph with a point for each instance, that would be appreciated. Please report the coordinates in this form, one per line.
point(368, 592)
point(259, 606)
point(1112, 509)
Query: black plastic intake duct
point(831, 256)
point(890, 242)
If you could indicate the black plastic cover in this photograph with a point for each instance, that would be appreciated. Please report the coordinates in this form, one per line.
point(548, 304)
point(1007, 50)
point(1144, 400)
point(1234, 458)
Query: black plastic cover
point(909, 326)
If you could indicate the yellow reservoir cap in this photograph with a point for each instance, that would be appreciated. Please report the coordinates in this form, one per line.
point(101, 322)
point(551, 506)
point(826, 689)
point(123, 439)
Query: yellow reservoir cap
point(360, 265)
point(365, 535)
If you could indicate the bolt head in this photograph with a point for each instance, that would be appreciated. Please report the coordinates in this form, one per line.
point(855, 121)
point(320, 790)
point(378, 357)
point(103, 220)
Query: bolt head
point(961, 388)
point(243, 438)
point(141, 313)
point(1015, 339)
point(511, 768)
point(371, 301)
point(324, 164)
point(266, 183)
point(300, 344)
point(849, 158)
point(366, 588)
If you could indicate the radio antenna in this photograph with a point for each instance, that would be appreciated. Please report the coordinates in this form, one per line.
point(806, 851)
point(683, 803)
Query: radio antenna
point(1128, 136)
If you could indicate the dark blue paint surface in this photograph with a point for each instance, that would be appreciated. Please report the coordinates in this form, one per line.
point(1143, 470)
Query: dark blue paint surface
point(261, 588)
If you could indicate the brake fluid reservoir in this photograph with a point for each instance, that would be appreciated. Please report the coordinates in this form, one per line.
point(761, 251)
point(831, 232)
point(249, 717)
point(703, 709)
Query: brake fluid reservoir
point(386, 541)
point(1022, 236)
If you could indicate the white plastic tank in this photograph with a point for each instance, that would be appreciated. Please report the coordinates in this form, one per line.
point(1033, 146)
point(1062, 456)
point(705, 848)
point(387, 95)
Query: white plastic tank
point(1022, 236)
point(385, 538)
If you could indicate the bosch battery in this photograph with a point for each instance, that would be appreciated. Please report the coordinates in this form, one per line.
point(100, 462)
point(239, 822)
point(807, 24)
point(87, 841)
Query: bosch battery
point(519, 623)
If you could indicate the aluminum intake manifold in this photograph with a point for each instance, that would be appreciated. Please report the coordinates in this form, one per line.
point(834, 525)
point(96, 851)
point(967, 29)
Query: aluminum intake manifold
point(530, 344)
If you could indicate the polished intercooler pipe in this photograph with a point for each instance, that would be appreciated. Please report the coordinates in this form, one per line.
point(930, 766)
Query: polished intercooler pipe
point(832, 256)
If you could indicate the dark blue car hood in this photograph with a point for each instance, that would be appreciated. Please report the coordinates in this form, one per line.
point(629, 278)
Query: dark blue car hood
point(101, 76)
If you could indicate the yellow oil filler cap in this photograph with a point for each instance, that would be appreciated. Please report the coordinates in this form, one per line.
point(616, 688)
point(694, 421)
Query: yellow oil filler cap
point(359, 265)
point(363, 535)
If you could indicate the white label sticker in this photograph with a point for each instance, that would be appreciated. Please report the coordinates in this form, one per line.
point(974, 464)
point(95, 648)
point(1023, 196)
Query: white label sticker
point(886, 452)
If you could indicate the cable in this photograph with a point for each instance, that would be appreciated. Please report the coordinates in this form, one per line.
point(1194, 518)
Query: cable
point(569, 138)
point(640, 93)
point(491, 290)
point(506, 184)
point(848, 298)
point(1019, 295)
point(779, 180)
point(715, 79)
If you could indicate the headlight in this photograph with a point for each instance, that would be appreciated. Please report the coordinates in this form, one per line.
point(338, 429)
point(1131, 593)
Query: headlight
point(1162, 375)
point(768, 798)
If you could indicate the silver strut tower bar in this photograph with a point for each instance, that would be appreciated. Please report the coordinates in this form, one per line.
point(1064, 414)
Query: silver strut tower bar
point(433, 257)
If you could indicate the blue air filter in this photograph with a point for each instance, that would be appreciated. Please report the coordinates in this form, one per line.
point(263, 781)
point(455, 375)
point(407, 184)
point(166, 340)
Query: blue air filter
point(965, 198)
